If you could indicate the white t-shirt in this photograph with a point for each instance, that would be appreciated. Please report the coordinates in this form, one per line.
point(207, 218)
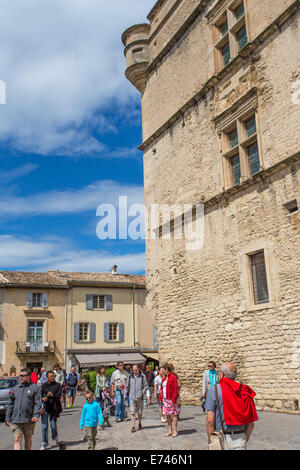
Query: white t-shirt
point(157, 382)
point(164, 386)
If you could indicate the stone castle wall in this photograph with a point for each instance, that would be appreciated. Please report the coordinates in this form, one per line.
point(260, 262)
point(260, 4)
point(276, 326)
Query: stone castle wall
point(202, 300)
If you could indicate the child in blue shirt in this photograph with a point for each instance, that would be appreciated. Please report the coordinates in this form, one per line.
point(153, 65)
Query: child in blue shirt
point(90, 416)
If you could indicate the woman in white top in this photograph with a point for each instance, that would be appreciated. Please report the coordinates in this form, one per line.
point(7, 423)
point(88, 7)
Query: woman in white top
point(157, 385)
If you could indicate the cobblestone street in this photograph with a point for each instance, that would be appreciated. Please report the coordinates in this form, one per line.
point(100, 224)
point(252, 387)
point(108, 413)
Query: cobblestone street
point(272, 432)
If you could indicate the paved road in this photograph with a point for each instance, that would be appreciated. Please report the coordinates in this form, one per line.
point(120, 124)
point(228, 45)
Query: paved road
point(273, 431)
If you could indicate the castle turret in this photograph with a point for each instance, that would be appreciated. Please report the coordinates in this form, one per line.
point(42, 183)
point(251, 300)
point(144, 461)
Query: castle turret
point(136, 42)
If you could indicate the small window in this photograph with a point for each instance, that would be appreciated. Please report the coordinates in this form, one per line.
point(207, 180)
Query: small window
point(36, 300)
point(254, 160)
point(250, 125)
point(83, 331)
point(242, 37)
point(226, 54)
point(239, 11)
point(259, 278)
point(291, 206)
point(224, 28)
point(236, 169)
point(98, 301)
point(113, 331)
point(233, 138)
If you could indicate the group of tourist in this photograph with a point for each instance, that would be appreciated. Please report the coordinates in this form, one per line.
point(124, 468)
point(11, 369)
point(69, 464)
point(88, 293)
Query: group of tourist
point(230, 407)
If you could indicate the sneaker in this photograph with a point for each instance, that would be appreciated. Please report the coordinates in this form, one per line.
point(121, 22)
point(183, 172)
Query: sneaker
point(44, 447)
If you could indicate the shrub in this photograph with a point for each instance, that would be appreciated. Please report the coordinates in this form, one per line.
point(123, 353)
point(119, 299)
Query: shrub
point(91, 380)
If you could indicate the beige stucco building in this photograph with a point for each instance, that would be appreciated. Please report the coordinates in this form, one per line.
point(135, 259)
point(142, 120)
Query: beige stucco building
point(220, 86)
point(73, 318)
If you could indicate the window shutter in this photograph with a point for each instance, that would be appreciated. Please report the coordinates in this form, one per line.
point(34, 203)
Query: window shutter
point(89, 301)
point(108, 300)
point(92, 332)
point(121, 332)
point(76, 332)
point(106, 332)
point(254, 158)
point(45, 300)
point(154, 337)
point(29, 299)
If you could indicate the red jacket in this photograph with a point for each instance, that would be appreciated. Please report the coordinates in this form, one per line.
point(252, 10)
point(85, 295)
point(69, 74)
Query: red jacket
point(172, 391)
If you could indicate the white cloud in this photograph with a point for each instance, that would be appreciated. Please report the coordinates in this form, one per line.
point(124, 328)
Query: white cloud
point(63, 65)
point(70, 201)
point(7, 176)
point(55, 253)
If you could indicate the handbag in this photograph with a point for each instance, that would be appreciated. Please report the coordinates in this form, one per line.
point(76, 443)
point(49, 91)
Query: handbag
point(218, 439)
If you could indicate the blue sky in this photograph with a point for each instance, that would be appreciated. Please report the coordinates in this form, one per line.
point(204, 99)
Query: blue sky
point(69, 133)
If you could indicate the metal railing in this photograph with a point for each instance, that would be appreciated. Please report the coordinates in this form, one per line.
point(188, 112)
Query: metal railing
point(28, 347)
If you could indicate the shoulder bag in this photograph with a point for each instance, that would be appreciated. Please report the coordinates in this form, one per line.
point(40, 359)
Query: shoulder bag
point(218, 439)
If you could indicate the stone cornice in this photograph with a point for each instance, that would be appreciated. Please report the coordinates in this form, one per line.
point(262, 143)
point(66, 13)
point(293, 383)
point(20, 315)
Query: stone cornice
point(224, 197)
point(200, 8)
point(234, 64)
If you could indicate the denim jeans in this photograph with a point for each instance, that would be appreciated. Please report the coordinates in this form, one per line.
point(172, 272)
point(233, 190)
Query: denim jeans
point(120, 404)
point(45, 419)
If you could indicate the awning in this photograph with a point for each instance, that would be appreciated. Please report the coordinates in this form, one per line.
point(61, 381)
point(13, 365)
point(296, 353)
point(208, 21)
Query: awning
point(109, 359)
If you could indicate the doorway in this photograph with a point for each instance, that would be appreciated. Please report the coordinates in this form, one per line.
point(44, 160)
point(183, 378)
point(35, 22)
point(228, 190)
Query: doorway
point(34, 365)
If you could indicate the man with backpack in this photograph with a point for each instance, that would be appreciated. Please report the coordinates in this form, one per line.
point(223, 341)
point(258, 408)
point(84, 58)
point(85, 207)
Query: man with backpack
point(72, 381)
point(135, 388)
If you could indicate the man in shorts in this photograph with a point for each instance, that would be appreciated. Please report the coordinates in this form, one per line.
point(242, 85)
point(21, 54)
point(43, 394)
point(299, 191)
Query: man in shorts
point(23, 410)
point(135, 388)
point(72, 380)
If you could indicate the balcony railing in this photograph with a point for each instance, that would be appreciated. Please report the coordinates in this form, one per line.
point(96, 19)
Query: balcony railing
point(26, 347)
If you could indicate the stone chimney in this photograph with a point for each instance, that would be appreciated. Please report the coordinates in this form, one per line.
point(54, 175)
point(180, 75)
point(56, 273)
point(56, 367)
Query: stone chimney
point(114, 269)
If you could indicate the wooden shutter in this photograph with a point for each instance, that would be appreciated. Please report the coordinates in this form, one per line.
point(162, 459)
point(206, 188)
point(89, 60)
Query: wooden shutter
point(89, 301)
point(92, 332)
point(121, 332)
point(76, 332)
point(29, 300)
point(45, 300)
point(106, 332)
point(108, 302)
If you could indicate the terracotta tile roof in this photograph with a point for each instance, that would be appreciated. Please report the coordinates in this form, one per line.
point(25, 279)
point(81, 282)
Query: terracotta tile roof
point(62, 278)
point(75, 277)
point(22, 278)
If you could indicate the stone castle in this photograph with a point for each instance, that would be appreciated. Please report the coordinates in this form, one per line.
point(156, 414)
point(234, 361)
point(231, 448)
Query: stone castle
point(220, 86)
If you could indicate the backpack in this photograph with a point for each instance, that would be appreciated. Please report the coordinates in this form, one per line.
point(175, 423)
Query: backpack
point(72, 380)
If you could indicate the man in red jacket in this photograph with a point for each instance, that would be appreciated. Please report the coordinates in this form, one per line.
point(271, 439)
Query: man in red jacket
point(237, 409)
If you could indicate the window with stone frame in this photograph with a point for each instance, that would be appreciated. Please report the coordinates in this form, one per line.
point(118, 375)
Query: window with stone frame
point(259, 277)
point(113, 331)
point(230, 33)
point(99, 302)
point(83, 331)
point(240, 149)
